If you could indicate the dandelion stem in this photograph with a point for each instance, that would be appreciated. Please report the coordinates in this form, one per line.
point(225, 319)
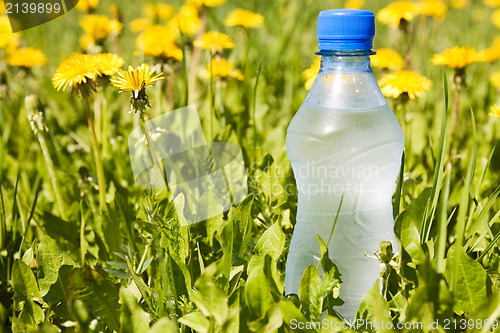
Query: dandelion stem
point(254, 107)
point(454, 119)
point(98, 117)
point(39, 128)
point(97, 156)
point(169, 79)
point(52, 175)
point(212, 96)
point(151, 153)
point(105, 128)
point(195, 58)
point(184, 66)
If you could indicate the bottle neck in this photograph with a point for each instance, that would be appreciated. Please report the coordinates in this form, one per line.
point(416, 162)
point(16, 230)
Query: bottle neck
point(345, 62)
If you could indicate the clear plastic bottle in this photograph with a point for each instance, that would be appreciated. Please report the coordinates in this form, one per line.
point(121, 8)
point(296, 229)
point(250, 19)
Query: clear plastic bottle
point(344, 141)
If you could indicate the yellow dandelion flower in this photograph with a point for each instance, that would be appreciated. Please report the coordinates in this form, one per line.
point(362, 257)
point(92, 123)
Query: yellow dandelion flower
point(224, 69)
point(139, 24)
point(27, 57)
point(108, 63)
point(87, 6)
point(492, 3)
point(387, 58)
point(459, 4)
point(86, 41)
point(495, 111)
point(490, 54)
point(434, 8)
point(187, 20)
point(9, 41)
point(159, 41)
point(5, 27)
point(395, 12)
point(495, 18)
point(136, 79)
point(404, 82)
point(161, 11)
point(206, 3)
point(457, 57)
point(245, 18)
point(495, 80)
point(100, 26)
point(354, 4)
point(214, 41)
point(75, 71)
point(311, 73)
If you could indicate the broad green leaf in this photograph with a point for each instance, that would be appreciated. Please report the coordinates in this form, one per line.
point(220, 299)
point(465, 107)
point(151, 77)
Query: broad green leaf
point(50, 258)
point(237, 311)
point(110, 227)
point(133, 319)
point(416, 208)
point(164, 325)
point(196, 321)
point(209, 297)
point(272, 243)
point(57, 294)
point(97, 293)
point(271, 321)
point(293, 317)
point(209, 206)
point(489, 312)
point(185, 277)
point(212, 225)
point(24, 283)
point(60, 229)
point(28, 256)
point(310, 293)
point(399, 303)
point(18, 326)
point(374, 309)
point(242, 217)
point(468, 279)
point(268, 184)
point(408, 233)
point(26, 294)
point(258, 290)
point(327, 265)
point(179, 202)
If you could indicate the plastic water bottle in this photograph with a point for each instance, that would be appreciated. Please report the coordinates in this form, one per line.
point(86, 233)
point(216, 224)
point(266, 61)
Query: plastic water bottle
point(344, 142)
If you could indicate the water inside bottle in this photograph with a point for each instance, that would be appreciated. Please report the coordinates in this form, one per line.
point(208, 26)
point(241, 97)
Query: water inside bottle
point(351, 153)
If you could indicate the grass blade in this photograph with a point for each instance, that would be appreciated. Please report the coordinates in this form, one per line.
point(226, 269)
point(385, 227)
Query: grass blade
point(480, 219)
point(443, 224)
point(399, 188)
point(464, 201)
point(430, 208)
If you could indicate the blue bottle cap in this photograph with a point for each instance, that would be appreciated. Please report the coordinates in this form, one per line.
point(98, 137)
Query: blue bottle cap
point(346, 30)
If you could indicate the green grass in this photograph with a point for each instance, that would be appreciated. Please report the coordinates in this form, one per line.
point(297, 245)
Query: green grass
point(136, 267)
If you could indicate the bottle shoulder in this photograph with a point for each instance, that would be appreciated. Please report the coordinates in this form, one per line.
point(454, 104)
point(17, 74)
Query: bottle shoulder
point(355, 90)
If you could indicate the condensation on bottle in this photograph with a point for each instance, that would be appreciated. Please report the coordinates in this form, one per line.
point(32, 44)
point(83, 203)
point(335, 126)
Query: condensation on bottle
point(344, 143)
